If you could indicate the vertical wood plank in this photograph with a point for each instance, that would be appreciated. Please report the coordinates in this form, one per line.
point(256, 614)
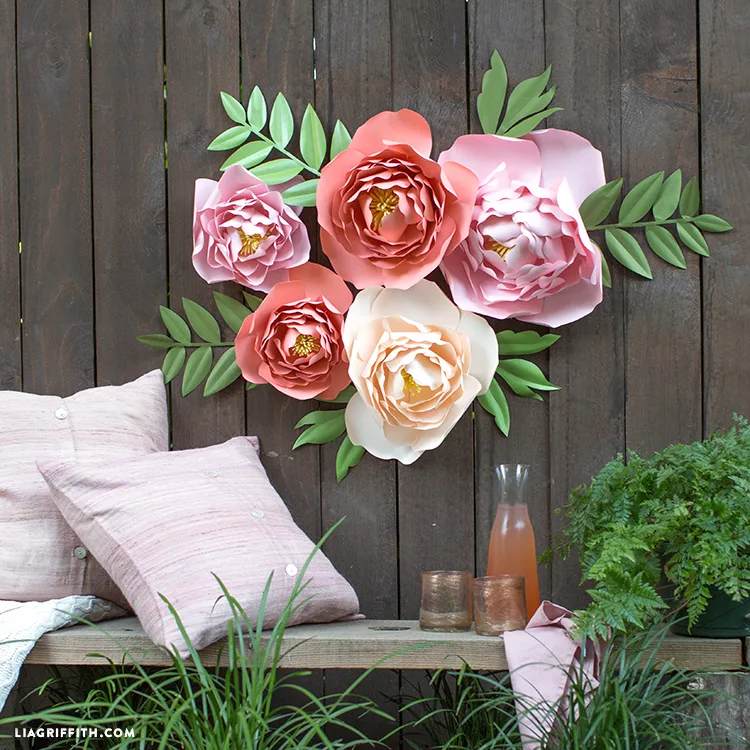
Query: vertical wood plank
point(55, 191)
point(202, 59)
point(277, 54)
point(129, 188)
point(725, 113)
point(516, 30)
point(353, 64)
point(587, 416)
point(663, 316)
point(436, 497)
point(10, 280)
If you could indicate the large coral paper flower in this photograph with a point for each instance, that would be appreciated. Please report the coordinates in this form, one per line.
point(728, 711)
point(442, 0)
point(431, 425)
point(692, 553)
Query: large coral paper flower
point(417, 362)
point(528, 255)
point(388, 213)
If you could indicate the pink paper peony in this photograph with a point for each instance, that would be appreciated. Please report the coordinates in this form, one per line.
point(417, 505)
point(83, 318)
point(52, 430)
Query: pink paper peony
point(528, 255)
point(293, 340)
point(243, 231)
point(387, 212)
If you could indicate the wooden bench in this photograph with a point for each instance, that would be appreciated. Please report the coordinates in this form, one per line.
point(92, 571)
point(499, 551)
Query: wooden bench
point(351, 645)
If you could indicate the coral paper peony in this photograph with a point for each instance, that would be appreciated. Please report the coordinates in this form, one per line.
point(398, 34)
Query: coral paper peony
point(243, 232)
point(293, 340)
point(417, 362)
point(528, 255)
point(387, 212)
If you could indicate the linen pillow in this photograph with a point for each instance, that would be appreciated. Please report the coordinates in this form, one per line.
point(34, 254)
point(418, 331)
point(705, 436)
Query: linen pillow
point(40, 556)
point(166, 523)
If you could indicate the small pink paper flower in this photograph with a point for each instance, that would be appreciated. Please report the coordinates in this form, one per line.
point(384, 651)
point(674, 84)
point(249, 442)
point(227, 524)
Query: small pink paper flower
point(243, 231)
point(293, 340)
point(387, 212)
point(528, 255)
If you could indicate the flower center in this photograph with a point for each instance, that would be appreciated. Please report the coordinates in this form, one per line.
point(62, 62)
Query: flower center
point(410, 385)
point(251, 242)
point(494, 246)
point(305, 345)
point(382, 203)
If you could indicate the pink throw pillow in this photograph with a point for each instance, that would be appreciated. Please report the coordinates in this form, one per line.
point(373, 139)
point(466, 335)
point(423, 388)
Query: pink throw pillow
point(40, 556)
point(166, 523)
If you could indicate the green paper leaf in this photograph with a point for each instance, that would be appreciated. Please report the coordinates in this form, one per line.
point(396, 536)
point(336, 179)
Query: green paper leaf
point(664, 244)
point(225, 372)
point(249, 156)
point(250, 386)
point(233, 311)
point(693, 239)
point(496, 404)
point(530, 123)
point(176, 326)
point(318, 417)
point(312, 139)
point(230, 138)
point(669, 197)
point(711, 223)
point(277, 171)
point(233, 108)
point(606, 273)
point(340, 139)
point(253, 301)
point(524, 342)
point(492, 98)
point(348, 456)
point(257, 113)
point(690, 202)
point(196, 369)
point(522, 98)
point(522, 375)
point(595, 209)
point(173, 363)
point(342, 398)
point(627, 251)
point(203, 323)
point(636, 204)
point(282, 121)
point(302, 194)
point(324, 430)
point(156, 341)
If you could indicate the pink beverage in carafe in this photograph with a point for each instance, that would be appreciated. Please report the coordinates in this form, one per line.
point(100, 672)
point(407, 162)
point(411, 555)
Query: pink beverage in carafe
point(512, 546)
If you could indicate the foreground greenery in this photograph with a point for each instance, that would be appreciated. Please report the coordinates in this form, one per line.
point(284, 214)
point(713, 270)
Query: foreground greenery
point(683, 513)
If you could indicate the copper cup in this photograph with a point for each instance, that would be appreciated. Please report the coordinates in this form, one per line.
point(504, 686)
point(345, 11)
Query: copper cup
point(499, 604)
point(446, 601)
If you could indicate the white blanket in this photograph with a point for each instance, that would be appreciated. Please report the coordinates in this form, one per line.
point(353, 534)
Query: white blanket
point(23, 623)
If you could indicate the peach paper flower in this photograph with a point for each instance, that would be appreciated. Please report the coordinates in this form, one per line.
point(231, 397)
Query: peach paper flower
point(417, 362)
point(528, 255)
point(387, 212)
point(293, 340)
point(243, 232)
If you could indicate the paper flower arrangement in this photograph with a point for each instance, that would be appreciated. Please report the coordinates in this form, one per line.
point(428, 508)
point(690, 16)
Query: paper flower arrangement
point(505, 217)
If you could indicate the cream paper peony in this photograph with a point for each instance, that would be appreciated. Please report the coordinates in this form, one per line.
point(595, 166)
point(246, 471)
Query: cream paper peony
point(417, 362)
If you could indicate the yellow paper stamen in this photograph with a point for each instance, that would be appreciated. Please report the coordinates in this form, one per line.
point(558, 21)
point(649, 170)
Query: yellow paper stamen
point(305, 345)
point(382, 203)
point(410, 385)
point(496, 247)
point(251, 242)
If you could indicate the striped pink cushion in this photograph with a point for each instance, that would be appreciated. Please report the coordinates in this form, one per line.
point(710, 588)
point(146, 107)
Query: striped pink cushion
point(40, 557)
point(167, 523)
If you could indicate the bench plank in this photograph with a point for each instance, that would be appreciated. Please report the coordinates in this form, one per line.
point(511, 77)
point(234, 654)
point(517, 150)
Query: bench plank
point(349, 645)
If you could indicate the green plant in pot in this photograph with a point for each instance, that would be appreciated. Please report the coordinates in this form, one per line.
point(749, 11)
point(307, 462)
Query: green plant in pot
point(682, 517)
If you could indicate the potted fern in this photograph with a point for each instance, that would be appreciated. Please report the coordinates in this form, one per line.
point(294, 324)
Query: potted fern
point(669, 531)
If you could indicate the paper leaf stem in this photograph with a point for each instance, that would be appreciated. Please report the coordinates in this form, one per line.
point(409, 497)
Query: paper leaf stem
point(523, 376)
point(512, 343)
point(492, 97)
point(325, 427)
point(348, 456)
point(495, 403)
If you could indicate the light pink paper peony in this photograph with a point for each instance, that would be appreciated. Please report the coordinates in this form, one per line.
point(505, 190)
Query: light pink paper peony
point(528, 255)
point(387, 212)
point(293, 340)
point(243, 232)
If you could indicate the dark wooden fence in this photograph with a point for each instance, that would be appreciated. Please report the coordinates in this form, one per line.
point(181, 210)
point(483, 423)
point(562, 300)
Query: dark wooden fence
point(106, 108)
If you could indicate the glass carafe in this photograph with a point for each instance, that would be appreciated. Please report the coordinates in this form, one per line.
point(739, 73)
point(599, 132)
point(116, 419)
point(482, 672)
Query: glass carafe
point(512, 546)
